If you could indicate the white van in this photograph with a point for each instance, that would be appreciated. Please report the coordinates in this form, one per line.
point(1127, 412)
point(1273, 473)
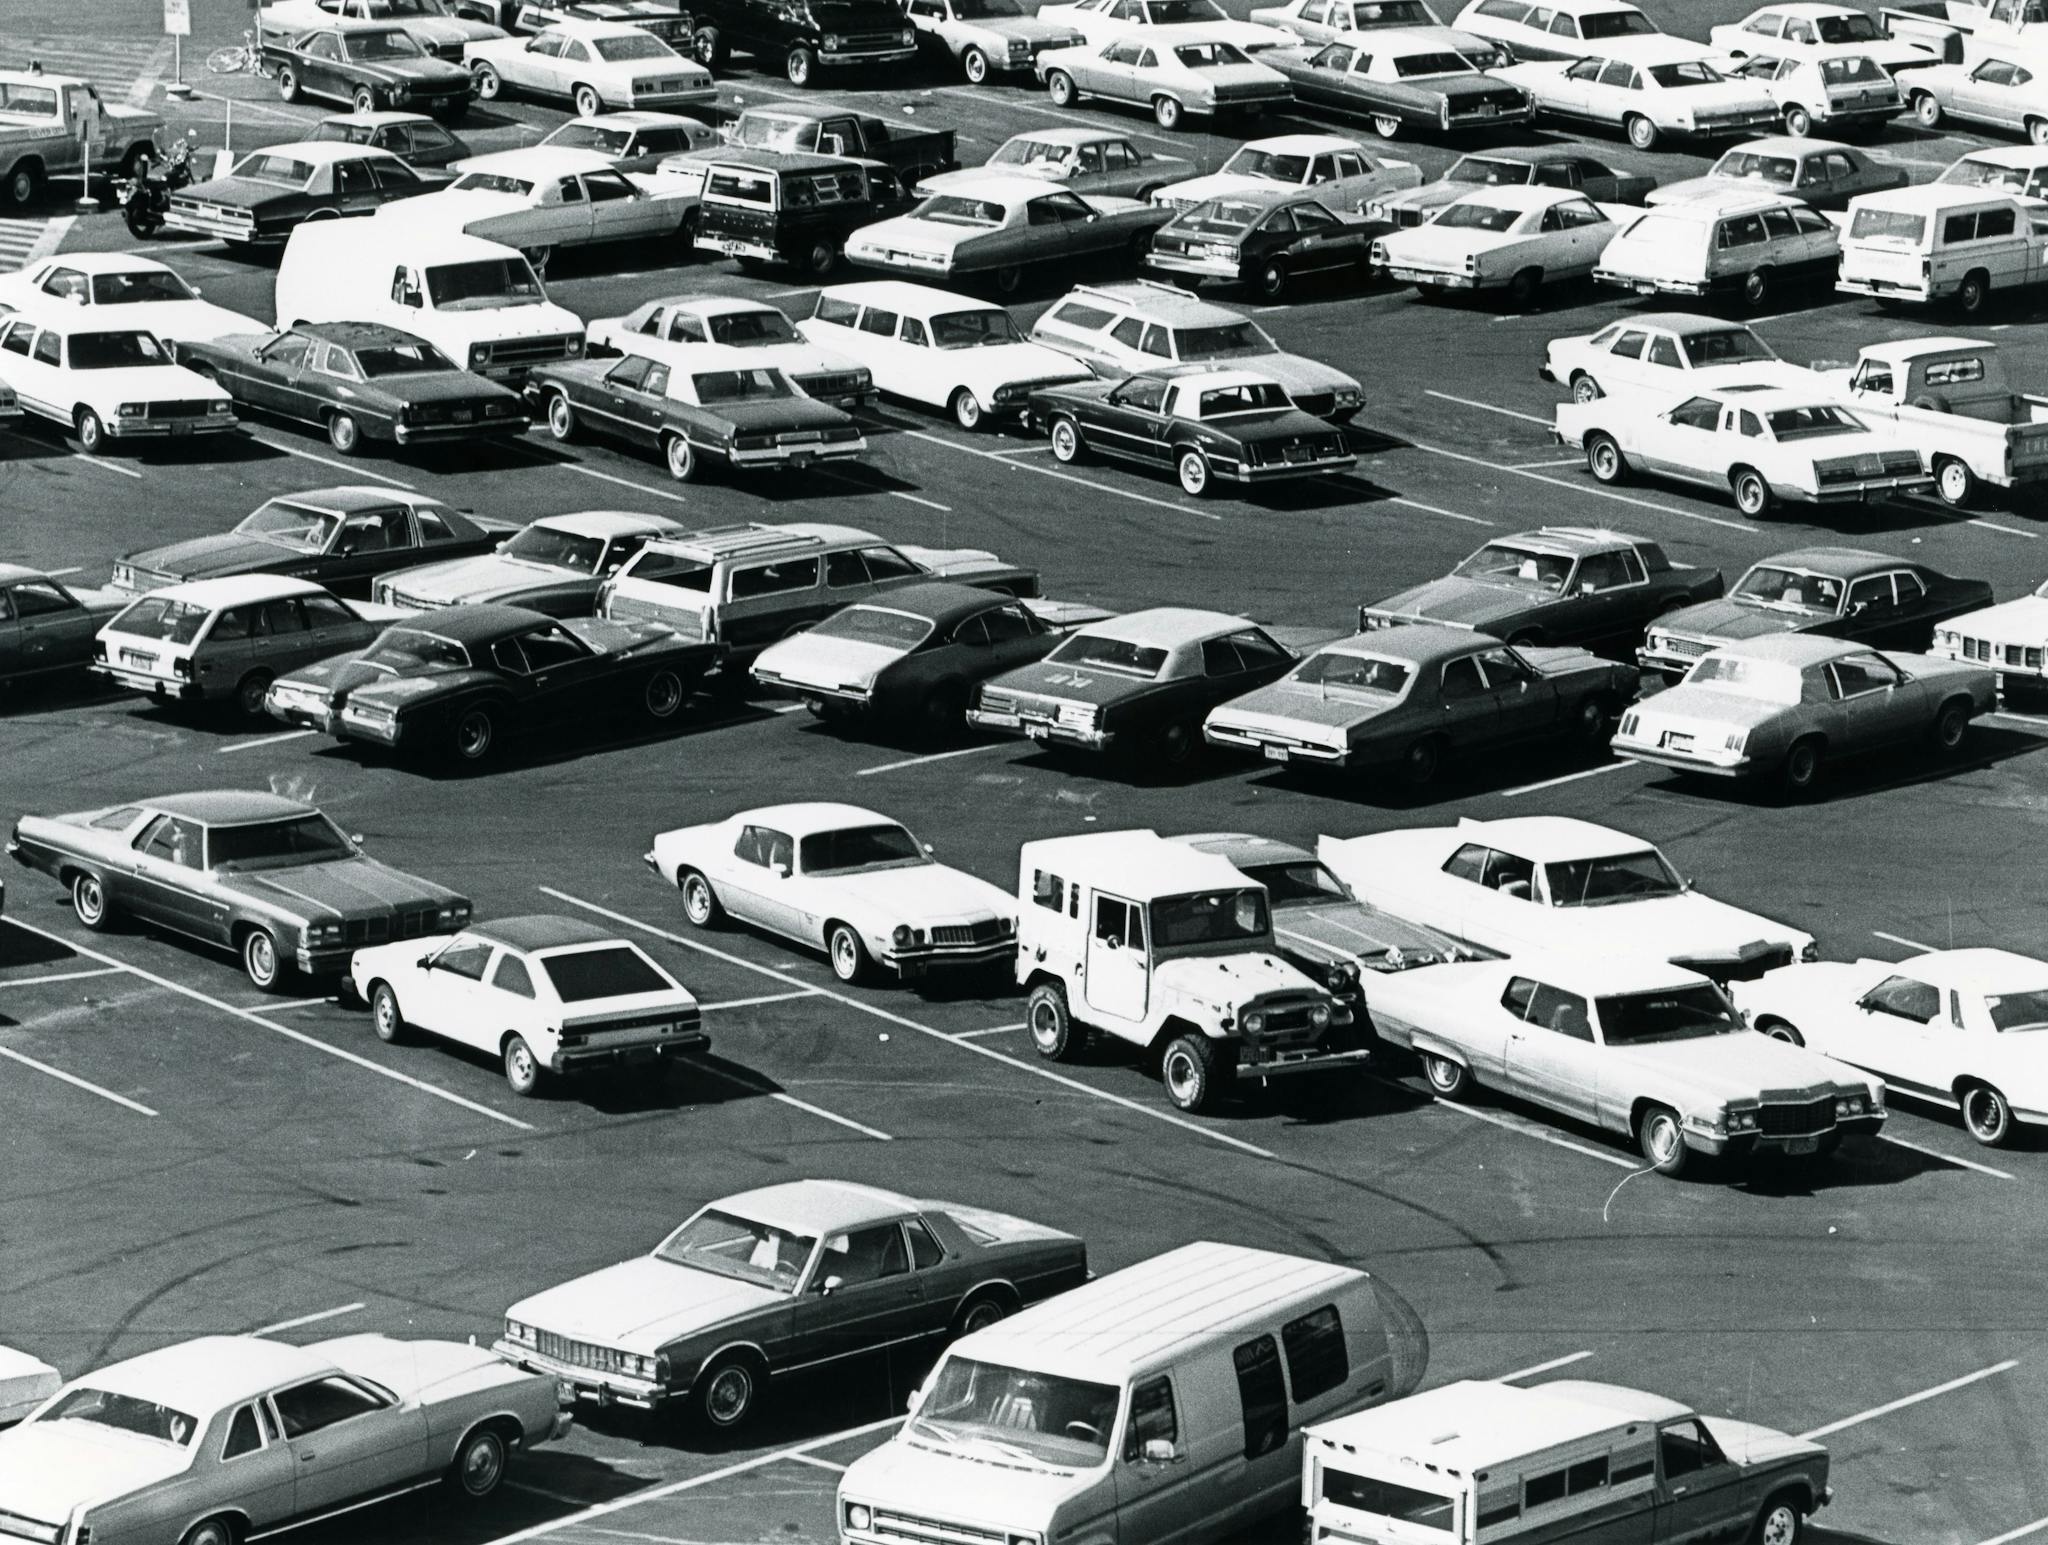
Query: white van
point(479, 303)
point(1941, 242)
point(1159, 1405)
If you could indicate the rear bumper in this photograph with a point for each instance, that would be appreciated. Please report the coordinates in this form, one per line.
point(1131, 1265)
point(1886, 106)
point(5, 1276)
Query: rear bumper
point(798, 455)
point(1738, 765)
point(1403, 274)
point(1199, 267)
point(155, 686)
point(476, 429)
point(1036, 729)
point(1275, 747)
point(577, 1059)
point(1643, 285)
point(1888, 289)
point(1859, 491)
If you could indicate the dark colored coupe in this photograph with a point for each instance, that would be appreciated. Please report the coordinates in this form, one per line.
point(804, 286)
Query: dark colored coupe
point(270, 191)
point(47, 627)
point(1837, 592)
point(1556, 585)
point(271, 879)
point(1264, 241)
point(339, 537)
point(1400, 81)
point(1546, 166)
point(367, 68)
point(457, 683)
point(1203, 424)
point(415, 138)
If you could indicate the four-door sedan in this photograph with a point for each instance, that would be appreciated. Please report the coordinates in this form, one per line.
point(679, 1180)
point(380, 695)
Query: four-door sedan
point(633, 141)
point(1515, 240)
point(594, 65)
point(415, 138)
point(367, 68)
point(1653, 1053)
point(1264, 241)
point(1328, 167)
point(1545, 166)
point(754, 325)
point(554, 566)
point(1557, 585)
point(1664, 356)
point(1178, 72)
point(47, 626)
point(987, 37)
point(1819, 173)
point(1869, 598)
point(1649, 88)
point(780, 1279)
point(1788, 706)
point(359, 381)
point(1400, 82)
point(1409, 700)
point(105, 384)
point(116, 290)
point(845, 881)
point(269, 192)
point(1815, 29)
point(458, 682)
point(273, 880)
point(201, 1440)
point(1080, 159)
point(1956, 1028)
point(1100, 21)
point(1238, 426)
point(543, 995)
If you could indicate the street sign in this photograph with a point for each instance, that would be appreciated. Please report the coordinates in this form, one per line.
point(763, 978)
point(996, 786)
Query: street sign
point(178, 18)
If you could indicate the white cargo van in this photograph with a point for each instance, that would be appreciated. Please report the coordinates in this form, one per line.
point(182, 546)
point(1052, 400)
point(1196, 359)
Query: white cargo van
point(477, 302)
point(1159, 1405)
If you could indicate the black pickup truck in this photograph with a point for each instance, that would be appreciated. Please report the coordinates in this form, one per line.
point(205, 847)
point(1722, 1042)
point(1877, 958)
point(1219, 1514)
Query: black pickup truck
point(824, 130)
point(801, 37)
point(792, 209)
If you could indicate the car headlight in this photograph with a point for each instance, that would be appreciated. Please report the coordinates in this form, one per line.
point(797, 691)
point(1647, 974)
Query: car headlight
point(221, 405)
point(906, 37)
point(1848, 1105)
point(1343, 975)
point(903, 937)
point(1319, 1016)
point(1374, 209)
point(1945, 637)
point(520, 1335)
point(1349, 397)
point(1739, 1121)
point(858, 1516)
point(1254, 1023)
point(132, 409)
point(1736, 741)
point(318, 934)
point(401, 93)
point(479, 355)
point(834, 40)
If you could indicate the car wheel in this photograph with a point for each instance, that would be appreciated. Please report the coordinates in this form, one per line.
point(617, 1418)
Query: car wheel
point(1191, 1070)
point(209, 1531)
point(1662, 1140)
point(1060, 87)
point(1756, 288)
point(89, 902)
point(1449, 1080)
point(1585, 388)
point(1752, 493)
point(848, 955)
point(1193, 468)
point(288, 84)
point(473, 735)
point(966, 408)
point(1422, 762)
point(1952, 726)
point(1987, 1115)
point(1595, 722)
point(974, 65)
point(587, 102)
point(1954, 481)
point(24, 182)
point(385, 1018)
point(261, 962)
point(1780, 1522)
point(1798, 122)
point(479, 1464)
point(1524, 288)
point(700, 901)
point(1604, 459)
point(1066, 441)
point(344, 433)
point(1166, 112)
point(2037, 131)
point(798, 66)
point(1641, 132)
point(1386, 125)
point(538, 258)
point(726, 1393)
point(1272, 280)
point(363, 100)
point(488, 86)
point(979, 1313)
point(1175, 744)
point(1009, 279)
point(662, 696)
point(561, 417)
point(1973, 292)
point(681, 458)
point(92, 434)
point(820, 258)
point(1800, 773)
point(250, 692)
point(1927, 110)
point(1781, 1030)
point(1054, 1033)
point(522, 1068)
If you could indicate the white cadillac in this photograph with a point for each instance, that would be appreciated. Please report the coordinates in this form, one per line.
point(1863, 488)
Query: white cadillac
point(829, 375)
point(1555, 883)
point(117, 289)
point(1516, 239)
point(840, 879)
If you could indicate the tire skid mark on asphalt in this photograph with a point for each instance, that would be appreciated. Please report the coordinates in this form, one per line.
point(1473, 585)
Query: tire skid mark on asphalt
point(1904, 1401)
point(76, 1082)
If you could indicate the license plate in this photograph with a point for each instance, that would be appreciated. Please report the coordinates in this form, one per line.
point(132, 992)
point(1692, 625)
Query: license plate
point(1297, 453)
point(136, 657)
point(1646, 289)
point(1276, 753)
point(802, 459)
point(181, 429)
point(1673, 741)
point(464, 416)
point(1038, 731)
point(1488, 110)
point(1798, 1145)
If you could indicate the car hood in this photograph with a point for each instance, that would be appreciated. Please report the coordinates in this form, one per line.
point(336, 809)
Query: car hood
point(1740, 1066)
point(1463, 603)
point(998, 1496)
point(642, 1304)
point(1349, 931)
point(1199, 190)
point(922, 893)
point(46, 1470)
point(427, 72)
point(349, 885)
point(1032, 29)
point(205, 557)
point(1229, 981)
point(810, 661)
point(1688, 926)
point(2022, 621)
point(1731, 619)
point(484, 577)
point(1748, 1444)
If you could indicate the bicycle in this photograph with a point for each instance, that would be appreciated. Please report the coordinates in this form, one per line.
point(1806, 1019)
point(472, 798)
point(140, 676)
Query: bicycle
point(245, 58)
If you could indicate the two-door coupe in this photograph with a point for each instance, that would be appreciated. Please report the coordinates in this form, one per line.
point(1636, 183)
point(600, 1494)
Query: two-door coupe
point(1338, 171)
point(458, 682)
point(1787, 706)
point(1137, 686)
point(1101, 21)
point(342, 537)
point(1410, 699)
point(543, 995)
point(1208, 425)
point(592, 64)
point(1994, 92)
point(368, 68)
point(695, 405)
point(1868, 598)
point(1665, 356)
point(1543, 166)
point(359, 381)
point(1511, 239)
point(270, 192)
point(204, 1441)
point(1823, 174)
point(1264, 241)
point(273, 880)
point(916, 655)
point(1179, 72)
point(845, 881)
point(118, 290)
point(415, 138)
point(46, 625)
point(1080, 158)
point(763, 330)
point(555, 566)
point(1400, 82)
point(1637, 1047)
point(778, 1280)
point(1966, 1029)
point(1555, 585)
point(438, 29)
point(1554, 883)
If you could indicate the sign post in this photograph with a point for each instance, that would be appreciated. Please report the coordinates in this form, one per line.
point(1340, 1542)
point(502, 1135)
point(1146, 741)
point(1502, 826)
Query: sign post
point(178, 27)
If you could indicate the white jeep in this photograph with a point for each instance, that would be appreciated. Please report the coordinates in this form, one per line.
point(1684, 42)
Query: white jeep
point(1171, 949)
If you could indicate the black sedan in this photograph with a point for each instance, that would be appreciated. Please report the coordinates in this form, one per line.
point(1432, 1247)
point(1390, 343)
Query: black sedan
point(271, 191)
point(338, 537)
point(457, 685)
point(1235, 425)
point(367, 68)
point(1264, 241)
point(414, 138)
point(359, 381)
point(1417, 82)
point(47, 627)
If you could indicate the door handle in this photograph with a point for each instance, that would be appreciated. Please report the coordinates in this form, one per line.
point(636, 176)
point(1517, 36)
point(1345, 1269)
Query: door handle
point(1679, 1491)
point(308, 1454)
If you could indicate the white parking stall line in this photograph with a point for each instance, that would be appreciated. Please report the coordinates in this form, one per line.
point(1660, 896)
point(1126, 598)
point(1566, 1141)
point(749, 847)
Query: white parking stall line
point(1431, 509)
point(1064, 477)
point(2017, 718)
point(753, 1086)
point(1903, 943)
point(750, 1003)
point(291, 1005)
point(792, 294)
point(895, 493)
point(1946, 1158)
point(2018, 1534)
point(237, 104)
point(1520, 1129)
point(1562, 461)
point(1582, 489)
point(634, 1499)
point(623, 482)
point(61, 976)
point(1023, 450)
point(1473, 402)
point(314, 1042)
point(306, 1319)
point(1910, 1400)
point(90, 461)
point(109, 466)
point(975, 1035)
point(936, 756)
point(76, 1082)
point(266, 740)
point(1551, 783)
point(1149, 1112)
point(1992, 525)
point(353, 469)
point(930, 504)
point(1535, 1368)
point(822, 1464)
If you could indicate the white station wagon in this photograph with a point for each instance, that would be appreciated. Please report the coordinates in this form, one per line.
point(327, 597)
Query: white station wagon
point(106, 383)
point(594, 64)
point(1738, 244)
point(1506, 238)
point(1555, 29)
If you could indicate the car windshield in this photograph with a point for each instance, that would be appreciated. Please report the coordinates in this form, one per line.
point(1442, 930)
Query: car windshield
point(1756, 167)
point(1111, 654)
point(1888, 225)
point(624, 50)
point(1018, 1414)
point(298, 839)
point(139, 284)
point(1972, 173)
point(1690, 73)
point(1353, 673)
point(591, 136)
point(1599, 882)
point(873, 625)
point(290, 525)
point(1269, 164)
point(1220, 217)
point(1208, 56)
point(1230, 340)
point(1838, 72)
point(973, 329)
point(401, 359)
point(1164, 13)
point(1506, 563)
point(1812, 422)
point(1762, 681)
point(1796, 590)
point(1478, 217)
point(115, 351)
point(1478, 169)
point(1726, 346)
point(750, 329)
point(1444, 63)
point(1846, 29)
point(2010, 1011)
point(770, 131)
point(162, 618)
point(857, 849)
point(282, 170)
point(492, 182)
point(611, 971)
point(1031, 152)
point(1242, 397)
point(124, 1413)
point(987, 10)
point(557, 549)
point(383, 45)
point(762, 385)
point(1212, 917)
point(732, 1246)
point(409, 652)
point(1615, 24)
point(1297, 880)
point(1674, 1014)
point(483, 283)
point(951, 209)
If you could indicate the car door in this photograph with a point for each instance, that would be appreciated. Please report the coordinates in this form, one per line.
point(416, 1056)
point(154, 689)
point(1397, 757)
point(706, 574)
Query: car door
point(319, 66)
point(1587, 232)
point(1897, 1031)
point(255, 1466)
point(1112, 72)
point(1166, 1500)
point(50, 629)
point(620, 212)
point(1130, 421)
point(1551, 1057)
point(1575, 91)
point(1870, 612)
point(47, 382)
point(355, 189)
point(160, 874)
point(764, 880)
point(1468, 713)
point(1015, 637)
point(1118, 979)
point(861, 1295)
point(272, 380)
point(626, 403)
point(1698, 1496)
point(1608, 595)
point(1323, 80)
point(1525, 705)
point(365, 543)
point(1323, 241)
point(349, 1439)
point(445, 991)
point(1500, 910)
point(12, 662)
point(331, 628)
point(565, 679)
point(1683, 441)
point(538, 66)
point(1879, 706)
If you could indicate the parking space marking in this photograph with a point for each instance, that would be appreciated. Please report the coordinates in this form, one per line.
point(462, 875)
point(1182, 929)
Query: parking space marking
point(1528, 466)
point(822, 1464)
point(1054, 472)
point(265, 740)
point(1946, 1158)
point(76, 1082)
point(1022, 450)
point(1506, 1124)
point(1149, 1112)
point(936, 756)
point(748, 1003)
point(1551, 783)
point(61, 976)
point(1535, 1368)
point(1582, 489)
point(1992, 525)
point(276, 1029)
point(353, 469)
point(975, 1035)
point(1431, 509)
point(291, 1005)
point(91, 461)
point(2017, 718)
point(306, 1319)
point(895, 493)
point(1903, 943)
point(1468, 402)
point(623, 482)
point(2018, 1534)
point(1910, 1400)
point(758, 1086)
point(599, 1510)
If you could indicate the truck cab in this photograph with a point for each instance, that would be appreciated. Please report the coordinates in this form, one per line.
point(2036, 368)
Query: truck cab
point(1164, 947)
point(792, 208)
point(57, 126)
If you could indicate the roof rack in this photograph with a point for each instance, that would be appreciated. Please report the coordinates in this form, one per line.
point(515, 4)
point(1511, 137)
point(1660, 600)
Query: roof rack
point(748, 536)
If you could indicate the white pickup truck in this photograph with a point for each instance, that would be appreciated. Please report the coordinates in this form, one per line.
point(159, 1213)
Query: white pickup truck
point(1959, 31)
point(1950, 400)
point(49, 122)
point(1939, 243)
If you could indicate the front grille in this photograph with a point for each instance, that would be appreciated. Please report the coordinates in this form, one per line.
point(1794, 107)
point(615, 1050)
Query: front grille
point(1815, 1116)
point(1690, 648)
point(518, 351)
point(403, 925)
point(841, 383)
point(579, 1354)
point(2016, 654)
point(178, 408)
point(1321, 404)
point(1407, 217)
point(869, 42)
point(400, 598)
point(986, 932)
point(449, 51)
point(917, 1530)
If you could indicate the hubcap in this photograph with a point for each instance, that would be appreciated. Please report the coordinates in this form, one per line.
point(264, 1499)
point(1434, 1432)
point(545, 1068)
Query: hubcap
point(679, 458)
point(731, 1392)
point(475, 736)
point(1781, 1524)
point(1443, 1073)
point(387, 1013)
point(1604, 460)
point(1585, 389)
point(1803, 762)
point(482, 1466)
point(663, 694)
point(520, 1061)
point(1985, 1113)
point(844, 954)
point(91, 904)
point(1045, 1026)
point(967, 409)
point(982, 1315)
point(262, 958)
point(1663, 1139)
point(344, 432)
point(1955, 482)
point(1194, 474)
point(697, 901)
point(1064, 443)
point(1181, 1076)
point(560, 420)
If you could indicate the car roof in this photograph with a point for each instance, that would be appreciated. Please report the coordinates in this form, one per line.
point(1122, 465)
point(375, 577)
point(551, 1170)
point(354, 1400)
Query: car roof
point(631, 118)
point(1002, 187)
point(1070, 134)
point(483, 622)
point(1644, 49)
point(1304, 144)
point(320, 152)
point(1168, 627)
point(687, 354)
point(2028, 156)
point(1684, 324)
point(807, 818)
point(1535, 155)
point(591, 27)
point(1477, 1425)
point(1836, 562)
point(1582, 7)
point(816, 1207)
point(228, 807)
point(761, 159)
point(1806, 8)
point(104, 262)
point(201, 1376)
point(1207, 377)
point(609, 523)
point(1157, 302)
point(1398, 40)
point(1138, 863)
point(702, 301)
point(542, 931)
point(14, 573)
point(1718, 203)
point(938, 601)
point(1549, 839)
point(904, 295)
point(542, 160)
point(1240, 849)
point(1785, 144)
point(1985, 970)
point(1416, 643)
point(761, 537)
point(1764, 397)
point(235, 590)
point(379, 120)
point(1593, 973)
point(1576, 539)
point(811, 110)
point(1930, 196)
point(1917, 348)
point(347, 498)
point(357, 335)
point(1519, 196)
point(1798, 650)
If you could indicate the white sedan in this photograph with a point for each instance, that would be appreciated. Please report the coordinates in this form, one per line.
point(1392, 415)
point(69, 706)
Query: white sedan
point(840, 879)
point(105, 383)
point(1966, 1029)
point(1516, 239)
point(830, 375)
point(1101, 21)
point(540, 994)
point(1647, 87)
point(1341, 171)
point(116, 289)
point(594, 64)
point(1668, 355)
point(1553, 883)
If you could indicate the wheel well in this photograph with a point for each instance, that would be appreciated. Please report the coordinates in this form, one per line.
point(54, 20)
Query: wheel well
point(1979, 273)
point(236, 1520)
point(67, 875)
point(1186, 446)
point(1165, 96)
point(238, 934)
point(584, 85)
point(1962, 1086)
point(999, 1290)
point(1039, 979)
point(1638, 1111)
point(1766, 1021)
point(1960, 700)
point(506, 1040)
point(503, 1423)
point(1171, 1030)
point(840, 922)
point(375, 983)
point(744, 1351)
point(1798, 1492)
point(1814, 738)
point(1735, 473)
point(33, 165)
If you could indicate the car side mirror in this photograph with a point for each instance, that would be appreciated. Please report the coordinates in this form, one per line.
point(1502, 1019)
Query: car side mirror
point(1093, 217)
point(916, 1399)
point(1159, 1451)
point(830, 1286)
point(1858, 608)
point(425, 962)
point(781, 869)
point(498, 547)
point(356, 838)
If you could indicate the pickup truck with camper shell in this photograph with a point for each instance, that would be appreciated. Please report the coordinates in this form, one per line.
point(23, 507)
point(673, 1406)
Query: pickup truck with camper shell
point(791, 209)
point(1940, 242)
point(57, 126)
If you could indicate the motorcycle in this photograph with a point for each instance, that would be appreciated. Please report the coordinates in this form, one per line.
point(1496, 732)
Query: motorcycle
point(146, 198)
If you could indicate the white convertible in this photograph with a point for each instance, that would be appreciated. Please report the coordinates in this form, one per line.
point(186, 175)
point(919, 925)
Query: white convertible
point(106, 383)
point(1340, 171)
point(839, 879)
point(939, 349)
point(1965, 1029)
point(1513, 238)
point(1558, 884)
point(594, 64)
point(116, 289)
point(540, 198)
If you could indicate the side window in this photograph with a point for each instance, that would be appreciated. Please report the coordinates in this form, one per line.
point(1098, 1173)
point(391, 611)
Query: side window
point(1685, 1449)
point(1994, 222)
point(684, 328)
point(1158, 342)
point(913, 333)
point(864, 1255)
point(353, 177)
point(775, 579)
point(1603, 571)
point(839, 313)
point(1563, 1012)
point(887, 563)
point(1664, 352)
point(49, 348)
point(1905, 998)
point(1462, 680)
point(1699, 413)
point(1629, 344)
point(310, 1407)
point(510, 975)
point(1114, 920)
point(1742, 231)
point(1520, 990)
point(243, 1436)
point(1128, 331)
point(393, 174)
point(1316, 1358)
point(607, 187)
point(1220, 658)
point(466, 958)
point(1468, 863)
point(1504, 668)
point(38, 598)
point(1048, 890)
point(1779, 224)
point(1958, 228)
point(1910, 590)
point(549, 647)
point(17, 339)
point(844, 569)
point(1750, 425)
point(1618, 73)
point(233, 625)
point(1264, 1393)
point(1552, 220)
point(970, 630)
point(171, 841)
point(433, 528)
point(1871, 594)
point(1153, 1418)
point(879, 322)
point(65, 283)
point(1008, 623)
point(630, 373)
point(281, 619)
point(924, 1250)
point(1510, 875)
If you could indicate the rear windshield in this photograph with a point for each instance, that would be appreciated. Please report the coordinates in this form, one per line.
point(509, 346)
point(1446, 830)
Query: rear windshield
point(1224, 217)
point(405, 652)
point(1757, 167)
point(1672, 232)
point(1846, 29)
point(159, 617)
point(1478, 169)
point(1812, 423)
point(741, 386)
point(591, 136)
point(741, 187)
point(1615, 24)
point(951, 209)
point(492, 182)
point(1351, 673)
point(612, 972)
point(1206, 56)
point(1478, 217)
point(1761, 681)
point(278, 169)
point(1888, 225)
point(1724, 347)
point(1269, 164)
point(402, 359)
point(644, 45)
point(1111, 654)
point(1690, 73)
point(1432, 64)
point(872, 625)
point(1860, 71)
point(126, 1413)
